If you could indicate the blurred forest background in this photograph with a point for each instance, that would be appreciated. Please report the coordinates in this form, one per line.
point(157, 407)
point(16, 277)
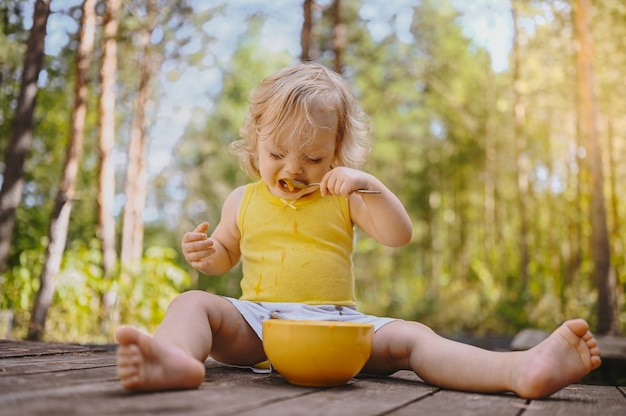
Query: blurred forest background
point(115, 121)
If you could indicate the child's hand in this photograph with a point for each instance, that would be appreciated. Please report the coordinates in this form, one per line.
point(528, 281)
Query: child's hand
point(197, 248)
point(344, 181)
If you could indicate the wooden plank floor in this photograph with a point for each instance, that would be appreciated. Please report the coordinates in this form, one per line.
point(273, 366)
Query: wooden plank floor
point(59, 379)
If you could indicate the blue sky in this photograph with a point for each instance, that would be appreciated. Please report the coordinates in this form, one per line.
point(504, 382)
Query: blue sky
point(487, 22)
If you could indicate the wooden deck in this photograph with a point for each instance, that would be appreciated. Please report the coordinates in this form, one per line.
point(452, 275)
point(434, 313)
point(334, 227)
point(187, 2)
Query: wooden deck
point(59, 379)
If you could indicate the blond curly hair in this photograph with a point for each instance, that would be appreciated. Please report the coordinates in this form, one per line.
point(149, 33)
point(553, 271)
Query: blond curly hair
point(291, 96)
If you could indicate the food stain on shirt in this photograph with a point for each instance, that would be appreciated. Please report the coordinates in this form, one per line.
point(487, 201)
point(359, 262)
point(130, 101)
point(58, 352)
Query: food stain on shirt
point(258, 289)
point(283, 255)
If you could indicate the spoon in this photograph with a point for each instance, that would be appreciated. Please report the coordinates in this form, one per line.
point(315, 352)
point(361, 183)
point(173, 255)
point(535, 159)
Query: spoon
point(301, 185)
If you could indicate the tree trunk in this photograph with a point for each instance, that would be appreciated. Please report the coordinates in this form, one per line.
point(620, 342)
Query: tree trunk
point(307, 31)
point(519, 116)
point(617, 240)
point(490, 220)
point(106, 140)
point(63, 204)
point(132, 231)
point(340, 36)
point(22, 137)
point(604, 274)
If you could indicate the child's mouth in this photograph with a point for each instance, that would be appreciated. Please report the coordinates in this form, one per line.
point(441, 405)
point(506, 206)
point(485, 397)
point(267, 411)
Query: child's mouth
point(287, 185)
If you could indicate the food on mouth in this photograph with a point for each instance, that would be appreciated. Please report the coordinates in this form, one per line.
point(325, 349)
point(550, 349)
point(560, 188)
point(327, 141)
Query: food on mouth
point(294, 184)
point(287, 183)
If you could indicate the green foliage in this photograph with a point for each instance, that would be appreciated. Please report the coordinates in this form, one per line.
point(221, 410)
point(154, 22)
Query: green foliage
point(12, 47)
point(20, 283)
point(145, 290)
point(78, 313)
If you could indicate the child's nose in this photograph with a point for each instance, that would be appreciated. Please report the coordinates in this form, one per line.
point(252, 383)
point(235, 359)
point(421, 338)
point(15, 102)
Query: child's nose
point(293, 166)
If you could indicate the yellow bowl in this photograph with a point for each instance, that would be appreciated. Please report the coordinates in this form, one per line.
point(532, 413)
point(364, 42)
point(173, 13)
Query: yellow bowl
point(317, 353)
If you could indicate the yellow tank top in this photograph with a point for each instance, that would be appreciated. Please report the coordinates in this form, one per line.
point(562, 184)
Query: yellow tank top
point(296, 251)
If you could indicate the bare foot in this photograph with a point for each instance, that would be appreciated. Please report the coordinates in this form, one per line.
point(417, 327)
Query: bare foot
point(144, 363)
point(568, 354)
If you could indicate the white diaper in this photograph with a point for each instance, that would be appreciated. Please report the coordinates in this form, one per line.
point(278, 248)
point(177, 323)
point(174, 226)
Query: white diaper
point(256, 312)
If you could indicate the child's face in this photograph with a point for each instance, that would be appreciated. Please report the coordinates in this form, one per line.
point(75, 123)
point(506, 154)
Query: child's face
point(307, 164)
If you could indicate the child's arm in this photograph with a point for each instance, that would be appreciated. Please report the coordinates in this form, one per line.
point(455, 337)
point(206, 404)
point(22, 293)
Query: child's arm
point(382, 216)
point(219, 253)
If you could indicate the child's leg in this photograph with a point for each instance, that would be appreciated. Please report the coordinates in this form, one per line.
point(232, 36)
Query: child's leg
point(566, 356)
point(196, 324)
